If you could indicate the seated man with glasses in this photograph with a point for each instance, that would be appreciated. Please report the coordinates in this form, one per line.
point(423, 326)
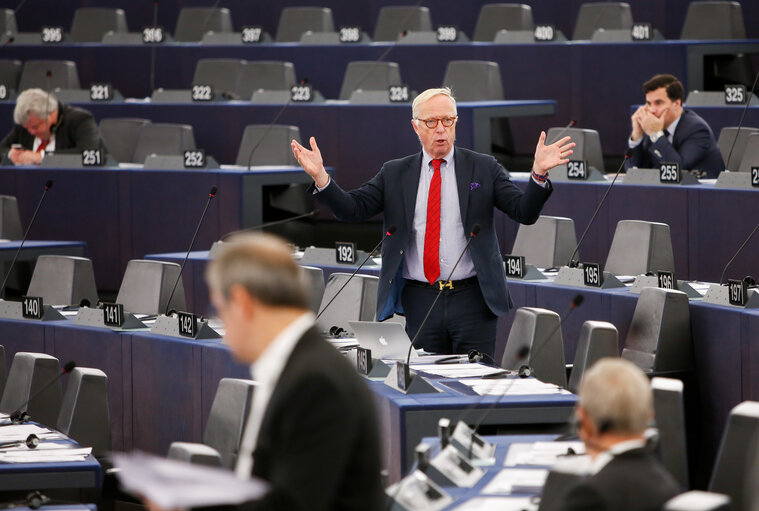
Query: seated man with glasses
point(434, 198)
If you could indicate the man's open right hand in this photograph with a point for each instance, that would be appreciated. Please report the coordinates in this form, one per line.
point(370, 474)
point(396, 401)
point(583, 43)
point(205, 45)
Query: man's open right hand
point(311, 161)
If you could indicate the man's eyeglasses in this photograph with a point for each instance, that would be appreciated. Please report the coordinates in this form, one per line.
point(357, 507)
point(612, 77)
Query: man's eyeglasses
point(432, 123)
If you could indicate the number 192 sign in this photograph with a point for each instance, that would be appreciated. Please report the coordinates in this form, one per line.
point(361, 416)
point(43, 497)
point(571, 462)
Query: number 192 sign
point(345, 253)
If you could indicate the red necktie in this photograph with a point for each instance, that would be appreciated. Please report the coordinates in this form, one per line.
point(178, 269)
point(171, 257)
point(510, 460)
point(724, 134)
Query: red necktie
point(42, 146)
point(432, 230)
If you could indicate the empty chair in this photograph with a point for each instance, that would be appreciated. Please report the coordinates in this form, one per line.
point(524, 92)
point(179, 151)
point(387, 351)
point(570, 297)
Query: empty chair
point(713, 20)
point(716, 98)
point(598, 339)
point(10, 71)
point(495, 17)
point(265, 144)
point(394, 20)
point(735, 455)
point(313, 279)
point(28, 374)
point(659, 337)
point(369, 75)
point(120, 136)
point(669, 412)
point(608, 15)
point(266, 75)
point(63, 280)
point(548, 243)
point(7, 22)
point(92, 23)
point(3, 370)
point(85, 415)
point(474, 80)
point(588, 146)
point(225, 426)
point(197, 454)
point(357, 302)
point(63, 75)
point(639, 247)
point(10, 220)
point(163, 138)
point(563, 476)
point(696, 500)
point(223, 75)
point(750, 153)
point(545, 355)
point(146, 287)
point(194, 22)
point(727, 141)
point(294, 21)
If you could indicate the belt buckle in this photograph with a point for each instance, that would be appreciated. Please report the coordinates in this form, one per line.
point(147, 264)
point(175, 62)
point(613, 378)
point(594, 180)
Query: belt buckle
point(445, 284)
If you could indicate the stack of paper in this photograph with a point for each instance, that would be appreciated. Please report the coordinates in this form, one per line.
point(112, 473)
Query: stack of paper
point(517, 480)
point(54, 453)
point(541, 453)
point(514, 386)
point(498, 504)
point(456, 370)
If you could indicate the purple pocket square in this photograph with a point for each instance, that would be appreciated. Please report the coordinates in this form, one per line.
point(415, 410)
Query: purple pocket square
point(473, 186)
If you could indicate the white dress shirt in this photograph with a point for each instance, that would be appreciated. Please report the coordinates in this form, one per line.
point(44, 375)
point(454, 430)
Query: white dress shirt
point(266, 371)
point(671, 130)
point(50, 148)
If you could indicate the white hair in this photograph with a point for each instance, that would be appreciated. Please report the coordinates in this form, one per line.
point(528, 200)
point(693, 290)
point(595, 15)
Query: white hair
point(33, 103)
point(429, 94)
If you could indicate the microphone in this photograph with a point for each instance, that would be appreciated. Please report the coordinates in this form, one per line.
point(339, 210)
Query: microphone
point(473, 234)
point(313, 212)
point(390, 231)
point(211, 195)
point(48, 186)
point(722, 277)
point(561, 133)
point(20, 416)
point(740, 124)
point(572, 263)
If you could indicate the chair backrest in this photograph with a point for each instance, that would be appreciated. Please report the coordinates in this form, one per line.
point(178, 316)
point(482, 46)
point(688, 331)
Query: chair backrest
point(474, 80)
point(313, 279)
point(659, 336)
point(267, 75)
point(63, 75)
point(294, 21)
point(8, 21)
point(727, 136)
point(588, 146)
point(163, 138)
point(120, 136)
point(223, 75)
point(598, 339)
point(734, 458)
point(146, 287)
point(495, 17)
point(669, 412)
point(548, 243)
point(562, 477)
point(194, 22)
point(357, 302)
point(595, 15)
point(63, 280)
point(92, 23)
point(369, 75)
point(750, 153)
point(28, 374)
point(3, 370)
point(530, 332)
point(10, 71)
point(226, 421)
point(264, 144)
point(696, 500)
point(714, 20)
point(394, 20)
point(85, 415)
point(10, 220)
point(639, 247)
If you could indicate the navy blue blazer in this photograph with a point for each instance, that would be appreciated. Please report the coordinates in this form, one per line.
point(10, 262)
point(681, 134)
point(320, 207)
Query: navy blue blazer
point(482, 185)
point(693, 147)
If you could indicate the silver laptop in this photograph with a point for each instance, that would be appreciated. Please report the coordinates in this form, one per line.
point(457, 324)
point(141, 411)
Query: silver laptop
point(386, 339)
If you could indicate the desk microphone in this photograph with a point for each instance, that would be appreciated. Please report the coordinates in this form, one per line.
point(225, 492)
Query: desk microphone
point(20, 416)
point(48, 186)
point(211, 195)
point(313, 212)
point(390, 231)
point(738, 131)
point(572, 263)
point(722, 277)
point(561, 133)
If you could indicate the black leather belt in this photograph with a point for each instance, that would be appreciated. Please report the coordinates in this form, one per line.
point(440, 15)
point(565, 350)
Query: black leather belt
point(444, 284)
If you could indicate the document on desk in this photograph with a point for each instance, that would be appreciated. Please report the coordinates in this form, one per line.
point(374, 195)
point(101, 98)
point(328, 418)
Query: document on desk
point(456, 370)
point(45, 455)
point(20, 432)
point(514, 386)
point(172, 484)
point(541, 453)
point(498, 504)
point(516, 480)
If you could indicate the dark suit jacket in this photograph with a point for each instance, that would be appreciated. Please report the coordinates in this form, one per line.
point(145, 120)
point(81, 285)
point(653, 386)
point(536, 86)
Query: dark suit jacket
point(693, 147)
point(318, 446)
point(632, 481)
point(482, 184)
point(75, 130)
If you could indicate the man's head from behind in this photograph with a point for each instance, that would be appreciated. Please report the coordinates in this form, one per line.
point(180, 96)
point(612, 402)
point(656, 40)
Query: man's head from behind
point(37, 111)
point(664, 97)
point(616, 404)
point(434, 117)
point(257, 290)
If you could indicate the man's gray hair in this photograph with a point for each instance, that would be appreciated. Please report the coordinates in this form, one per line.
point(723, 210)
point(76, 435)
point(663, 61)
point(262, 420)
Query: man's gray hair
point(33, 103)
point(263, 265)
point(617, 397)
point(429, 94)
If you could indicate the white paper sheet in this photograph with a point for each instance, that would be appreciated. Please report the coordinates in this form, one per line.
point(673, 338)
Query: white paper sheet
point(513, 386)
point(540, 453)
point(19, 432)
point(498, 504)
point(516, 480)
point(456, 370)
point(45, 455)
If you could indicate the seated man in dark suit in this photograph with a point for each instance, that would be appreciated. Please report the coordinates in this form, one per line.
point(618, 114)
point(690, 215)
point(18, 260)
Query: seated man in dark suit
point(664, 132)
point(43, 125)
point(616, 405)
